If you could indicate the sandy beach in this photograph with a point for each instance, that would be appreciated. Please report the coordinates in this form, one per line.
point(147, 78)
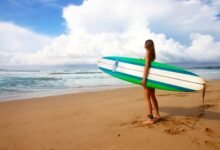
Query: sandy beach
point(111, 120)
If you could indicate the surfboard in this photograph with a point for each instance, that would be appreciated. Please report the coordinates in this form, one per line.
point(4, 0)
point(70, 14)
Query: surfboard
point(161, 76)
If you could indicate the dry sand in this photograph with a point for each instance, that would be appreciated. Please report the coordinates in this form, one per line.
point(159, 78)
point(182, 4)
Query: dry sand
point(111, 120)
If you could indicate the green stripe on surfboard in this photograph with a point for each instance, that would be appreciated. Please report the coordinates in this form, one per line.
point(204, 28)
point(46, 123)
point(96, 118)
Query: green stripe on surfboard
point(150, 83)
point(154, 64)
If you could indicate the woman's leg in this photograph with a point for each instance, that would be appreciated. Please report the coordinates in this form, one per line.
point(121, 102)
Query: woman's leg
point(154, 102)
point(148, 105)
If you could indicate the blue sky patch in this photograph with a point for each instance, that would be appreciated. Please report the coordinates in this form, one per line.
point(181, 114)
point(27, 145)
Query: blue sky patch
point(42, 16)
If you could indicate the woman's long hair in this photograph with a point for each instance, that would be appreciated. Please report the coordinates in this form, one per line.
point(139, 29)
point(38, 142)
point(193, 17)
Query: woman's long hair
point(149, 44)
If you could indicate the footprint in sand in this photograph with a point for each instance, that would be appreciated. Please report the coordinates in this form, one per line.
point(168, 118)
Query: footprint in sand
point(172, 126)
point(137, 121)
point(134, 121)
point(175, 131)
point(195, 141)
point(209, 132)
point(175, 126)
point(212, 144)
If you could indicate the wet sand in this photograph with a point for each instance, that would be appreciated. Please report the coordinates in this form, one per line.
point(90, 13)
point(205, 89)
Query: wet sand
point(112, 120)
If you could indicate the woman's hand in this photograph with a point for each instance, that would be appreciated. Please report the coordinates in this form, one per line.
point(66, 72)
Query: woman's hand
point(143, 82)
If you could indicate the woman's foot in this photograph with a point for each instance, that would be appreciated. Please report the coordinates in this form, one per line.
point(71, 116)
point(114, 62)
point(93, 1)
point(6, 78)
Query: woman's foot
point(148, 122)
point(157, 118)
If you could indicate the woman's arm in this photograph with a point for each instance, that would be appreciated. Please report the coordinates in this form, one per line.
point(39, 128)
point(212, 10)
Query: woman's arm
point(146, 68)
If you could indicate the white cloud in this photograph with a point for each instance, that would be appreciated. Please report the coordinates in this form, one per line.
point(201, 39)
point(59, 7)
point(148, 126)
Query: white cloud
point(15, 38)
point(99, 28)
point(19, 42)
point(203, 48)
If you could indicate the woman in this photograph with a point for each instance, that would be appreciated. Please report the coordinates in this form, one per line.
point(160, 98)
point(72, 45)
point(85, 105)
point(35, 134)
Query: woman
point(149, 93)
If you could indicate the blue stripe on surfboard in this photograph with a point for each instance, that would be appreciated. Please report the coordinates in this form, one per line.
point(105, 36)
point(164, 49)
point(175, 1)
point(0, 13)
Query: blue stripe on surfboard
point(156, 67)
point(148, 80)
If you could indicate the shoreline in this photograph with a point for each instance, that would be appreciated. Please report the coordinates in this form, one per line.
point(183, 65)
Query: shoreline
point(66, 92)
point(74, 92)
point(112, 119)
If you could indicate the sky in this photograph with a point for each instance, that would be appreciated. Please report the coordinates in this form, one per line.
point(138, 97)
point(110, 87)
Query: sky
point(42, 16)
point(66, 32)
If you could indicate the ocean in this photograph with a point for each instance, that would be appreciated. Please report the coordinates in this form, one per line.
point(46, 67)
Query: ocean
point(23, 83)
